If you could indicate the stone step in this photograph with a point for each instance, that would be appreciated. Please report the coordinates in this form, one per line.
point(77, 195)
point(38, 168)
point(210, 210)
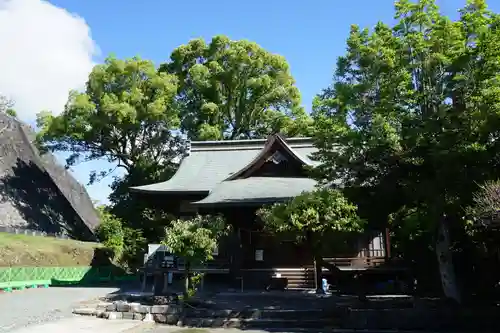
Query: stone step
point(262, 324)
point(275, 314)
point(298, 279)
point(301, 285)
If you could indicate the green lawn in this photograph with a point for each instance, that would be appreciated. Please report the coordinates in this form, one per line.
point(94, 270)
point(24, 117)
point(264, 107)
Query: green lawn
point(22, 250)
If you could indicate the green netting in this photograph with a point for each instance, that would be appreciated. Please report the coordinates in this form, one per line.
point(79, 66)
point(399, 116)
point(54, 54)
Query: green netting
point(58, 275)
point(4, 274)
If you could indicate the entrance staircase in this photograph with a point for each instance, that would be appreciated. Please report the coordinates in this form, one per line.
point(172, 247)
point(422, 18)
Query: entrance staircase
point(297, 278)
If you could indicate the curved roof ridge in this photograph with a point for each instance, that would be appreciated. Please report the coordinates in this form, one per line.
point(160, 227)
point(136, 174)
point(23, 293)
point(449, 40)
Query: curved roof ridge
point(227, 144)
point(216, 145)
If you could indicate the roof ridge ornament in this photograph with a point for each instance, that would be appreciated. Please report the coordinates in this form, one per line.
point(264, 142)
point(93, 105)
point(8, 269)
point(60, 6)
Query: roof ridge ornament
point(277, 157)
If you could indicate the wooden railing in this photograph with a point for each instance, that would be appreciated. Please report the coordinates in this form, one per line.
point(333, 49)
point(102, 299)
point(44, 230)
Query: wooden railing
point(216, 264)
point(357, 262)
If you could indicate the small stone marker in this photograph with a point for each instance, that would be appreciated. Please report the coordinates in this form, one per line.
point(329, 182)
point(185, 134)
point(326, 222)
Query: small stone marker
point(148, 317)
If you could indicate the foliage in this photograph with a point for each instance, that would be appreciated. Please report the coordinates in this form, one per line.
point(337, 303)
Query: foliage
point(6, 106)
point(110, 232)
point(134, 245)
point(196, 280)
point(126, 115)
point(312, 217)
point(136, 211)
point(195, 239)
point(127, 244)
point(234, 90)
point(312, 214)
point(486, 207)
point(412, 113)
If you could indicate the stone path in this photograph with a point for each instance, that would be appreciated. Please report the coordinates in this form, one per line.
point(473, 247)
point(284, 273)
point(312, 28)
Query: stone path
point(28, 307)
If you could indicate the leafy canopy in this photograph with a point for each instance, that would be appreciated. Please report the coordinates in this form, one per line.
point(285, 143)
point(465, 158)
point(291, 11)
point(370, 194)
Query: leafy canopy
point(413, 111)
point(234, 90)
point(195, 239)
point(318, 212)
point(126, 115)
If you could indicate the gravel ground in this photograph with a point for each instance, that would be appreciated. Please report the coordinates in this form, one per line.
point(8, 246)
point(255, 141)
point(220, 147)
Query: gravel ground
point(34, 306)
point(85, 325)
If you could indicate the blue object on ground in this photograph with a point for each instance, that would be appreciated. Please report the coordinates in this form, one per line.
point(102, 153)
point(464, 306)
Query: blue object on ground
point(324, 285)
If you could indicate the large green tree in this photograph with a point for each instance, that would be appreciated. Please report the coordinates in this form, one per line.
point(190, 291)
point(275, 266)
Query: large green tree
point(413, 113)
point(127, 115)
point(235, 90)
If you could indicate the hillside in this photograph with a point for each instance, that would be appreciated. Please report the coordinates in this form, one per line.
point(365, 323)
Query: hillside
point(26, 251)
point(36, 192)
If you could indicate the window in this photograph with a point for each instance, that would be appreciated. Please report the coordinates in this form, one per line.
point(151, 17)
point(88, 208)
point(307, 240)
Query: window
point(376, 246)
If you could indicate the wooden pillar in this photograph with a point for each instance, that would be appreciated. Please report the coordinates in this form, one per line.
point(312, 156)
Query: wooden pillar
point(165, 283)
point(387, 243)
point(235, 253)
point(144, 278)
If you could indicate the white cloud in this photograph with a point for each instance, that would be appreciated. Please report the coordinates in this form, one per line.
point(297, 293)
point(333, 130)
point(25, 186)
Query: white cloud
point(45, 51)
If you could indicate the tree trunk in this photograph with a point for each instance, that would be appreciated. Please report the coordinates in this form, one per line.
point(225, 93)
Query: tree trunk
point(445, 260)
point(318, 272)
point(317, 259)
point(187, 280)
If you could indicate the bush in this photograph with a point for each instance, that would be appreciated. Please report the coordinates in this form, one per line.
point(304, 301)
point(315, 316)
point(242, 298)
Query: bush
point(194, 240)
point(127, 244)
point(110, 232)
point(134, 245)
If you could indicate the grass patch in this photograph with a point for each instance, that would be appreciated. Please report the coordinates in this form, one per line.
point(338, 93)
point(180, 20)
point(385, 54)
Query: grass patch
point(29, 251)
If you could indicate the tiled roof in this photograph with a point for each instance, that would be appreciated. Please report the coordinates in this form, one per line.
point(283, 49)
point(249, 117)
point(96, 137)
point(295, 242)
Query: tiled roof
point(211, 162)
point(257, 190)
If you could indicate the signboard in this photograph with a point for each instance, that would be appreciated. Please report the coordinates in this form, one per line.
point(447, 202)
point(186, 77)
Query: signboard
point(259, 255)
point(159, 256)
point(152, 248)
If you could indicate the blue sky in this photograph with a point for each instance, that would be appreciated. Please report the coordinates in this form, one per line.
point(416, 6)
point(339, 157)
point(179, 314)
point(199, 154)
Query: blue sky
point(310, 34)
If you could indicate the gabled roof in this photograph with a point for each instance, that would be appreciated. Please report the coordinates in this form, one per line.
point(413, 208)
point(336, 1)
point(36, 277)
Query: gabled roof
point(211, 162)
point(291, 147)
point(257, 190)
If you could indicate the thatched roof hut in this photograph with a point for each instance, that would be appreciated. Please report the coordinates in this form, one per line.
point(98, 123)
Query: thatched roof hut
point(35, 191)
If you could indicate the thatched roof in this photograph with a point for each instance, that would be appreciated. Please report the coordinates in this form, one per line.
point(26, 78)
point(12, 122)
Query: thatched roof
point(35, 191)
